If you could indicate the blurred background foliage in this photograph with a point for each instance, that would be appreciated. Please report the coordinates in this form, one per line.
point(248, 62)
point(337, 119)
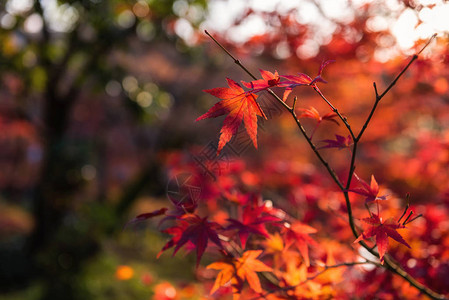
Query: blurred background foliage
point(97, 95)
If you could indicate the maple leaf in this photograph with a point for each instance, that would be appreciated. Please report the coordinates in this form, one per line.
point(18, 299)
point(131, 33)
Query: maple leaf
point(318, 78)
point(253, 221)
point(298, 234)
point(176, 233)
point(239, 106)
point(274, 244)
point(227, 274)
point(302, 286)
point(331, 275)
point(296, 270)
point(146, 216)
point(303, 79)
point(370, 191)
point(340, 142)
point(198, 231)
point(269, 80)
point(181, 208)
point(239, 270)
point(314, 114)
point(382, 230)
point(247, 267)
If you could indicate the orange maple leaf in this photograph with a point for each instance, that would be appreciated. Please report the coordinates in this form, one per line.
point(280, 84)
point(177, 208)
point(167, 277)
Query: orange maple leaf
point(227, 274)
point(274, 243)
point(239, 106)
point(239, 270)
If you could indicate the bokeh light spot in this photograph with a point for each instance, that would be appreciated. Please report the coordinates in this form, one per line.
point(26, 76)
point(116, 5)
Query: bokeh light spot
point(124, 272)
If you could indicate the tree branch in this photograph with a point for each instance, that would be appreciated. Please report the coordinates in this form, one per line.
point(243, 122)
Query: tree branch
point(335, 110)
point(390, 264)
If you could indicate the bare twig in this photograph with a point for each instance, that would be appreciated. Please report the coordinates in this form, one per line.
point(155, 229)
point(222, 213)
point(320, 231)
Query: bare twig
point(408, 222)
point(335, 110)
point(379, 97)
point(405, 210)
point(294, 103)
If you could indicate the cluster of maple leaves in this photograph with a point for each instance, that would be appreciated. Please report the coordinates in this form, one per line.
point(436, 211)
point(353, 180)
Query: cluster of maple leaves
point(279, 243)
point(241, 106)
point(240, 261)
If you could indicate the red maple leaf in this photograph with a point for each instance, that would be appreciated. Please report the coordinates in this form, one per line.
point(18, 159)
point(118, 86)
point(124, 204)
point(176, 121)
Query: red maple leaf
point(340, 142)
point(176, 233)
point(198, 231)
point(269, 80)
point(239, 106)
point(298, 235)
point(303, 79)
point(382, 230)
point(146, 216)
point(253, 221)
point(370, 191)
point(314, 114)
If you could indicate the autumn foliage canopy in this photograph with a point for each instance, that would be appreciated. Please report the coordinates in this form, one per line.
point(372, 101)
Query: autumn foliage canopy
point(266, 251)
point(224, 149)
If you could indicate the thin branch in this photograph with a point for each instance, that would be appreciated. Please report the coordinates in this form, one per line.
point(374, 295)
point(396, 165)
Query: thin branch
point(239, 63)
point(294, 103)
point(335, 110)
point(418, 216)
point(379, 97)
point(405, 211)
point(408, 217)
point(375, 90)
point(236, 61)
point(395, 268)
point(427, 44)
